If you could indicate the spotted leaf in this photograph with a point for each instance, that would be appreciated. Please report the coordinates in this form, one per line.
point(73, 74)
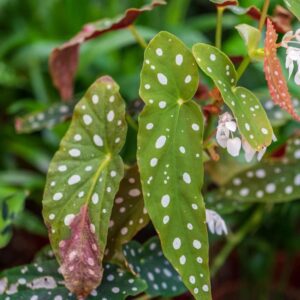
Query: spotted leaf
point(150, 264)
point(82, 181)
point(294, 7)
point(44, 119)
point(277, 84)
point(11, 204)
point(251, 118)
point(170, 158)
point(64, 59)
point(128, 215)
point(44, 281)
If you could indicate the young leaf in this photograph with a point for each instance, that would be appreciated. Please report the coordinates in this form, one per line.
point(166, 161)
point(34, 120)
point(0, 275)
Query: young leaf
point(170, 158)
point(150, 264)
point(64, 59)
point(251, 118)
point(43, 281)
point(251, 37)
point(11, 204)
point(274, 76)
point(294, 7)
point(45, 119)
point(82, 181)
point(128, 215)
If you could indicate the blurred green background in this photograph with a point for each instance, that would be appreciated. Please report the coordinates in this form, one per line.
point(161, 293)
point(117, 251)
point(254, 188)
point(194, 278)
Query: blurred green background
point(265, 265)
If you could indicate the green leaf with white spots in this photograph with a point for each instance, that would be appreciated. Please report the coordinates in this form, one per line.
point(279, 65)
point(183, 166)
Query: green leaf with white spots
point(128, 215)
point(251, 37)
point(170, 158)
point(44, 281)
point(150, 264)
point(82, 181)
point(45, 119)
point(294, 7)
point(11, 204)
point(251, 118)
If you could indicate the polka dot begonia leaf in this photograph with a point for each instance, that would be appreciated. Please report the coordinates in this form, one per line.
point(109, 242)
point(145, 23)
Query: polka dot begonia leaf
point(250, 115)
point(11, 204)
point(128, 215)
point(40, 281)
point(45, 119)
point(150, 264)
point(272, 181)
point(170, 158)
point(82, 181)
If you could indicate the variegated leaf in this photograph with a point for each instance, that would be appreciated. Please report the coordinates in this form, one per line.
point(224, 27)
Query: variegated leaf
point(277, 84)
point(250, 115)
point(64, 59)
point(150, 264)
point(43, 281)
point(82, 181)
point(44, 119)
point(128, 215)
point(170, 158)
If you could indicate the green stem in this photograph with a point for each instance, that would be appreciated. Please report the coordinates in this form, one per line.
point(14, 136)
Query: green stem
point(140, 40)
point(220, 11)
point(131, 122)
point(263, 15)
point(235, 239)
point(243, 66)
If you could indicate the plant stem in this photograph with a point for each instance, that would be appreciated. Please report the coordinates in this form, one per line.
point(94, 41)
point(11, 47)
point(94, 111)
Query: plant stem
point(140, 40)
point(143, 297)
point(235, 239)
point(220, 11)
point(263, 15)
point(131, 122)
point(243, 66)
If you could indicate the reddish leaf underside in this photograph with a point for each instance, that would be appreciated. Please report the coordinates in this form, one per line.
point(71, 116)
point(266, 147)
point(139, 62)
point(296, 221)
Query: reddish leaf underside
point(274, 75)
point(80, 256)
point(64, 59)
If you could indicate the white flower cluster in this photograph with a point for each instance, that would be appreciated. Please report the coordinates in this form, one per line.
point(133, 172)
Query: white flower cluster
point(215, 222)
point(225, 138)
point(291, 42)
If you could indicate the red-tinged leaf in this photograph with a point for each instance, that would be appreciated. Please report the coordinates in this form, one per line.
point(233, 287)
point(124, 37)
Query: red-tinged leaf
point(274, 75)
point(80, 256)
point(64, 59)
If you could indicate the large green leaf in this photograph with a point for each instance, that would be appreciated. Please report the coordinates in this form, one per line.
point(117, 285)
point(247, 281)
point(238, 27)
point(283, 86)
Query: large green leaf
point(150, 264)
point(251, 118)
point(170, 158)
point(128, 215)
point(294, 7)
point(11, 204)
point(43, 281)
point(82, 181)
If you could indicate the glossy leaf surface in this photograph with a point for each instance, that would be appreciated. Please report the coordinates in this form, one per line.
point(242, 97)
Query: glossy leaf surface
point(150, 264)
point(294, 7)
point(251, 118)
point(64, 59)
point(128, 215)
point(82, 181)
point(170, 158)
point(43, 281)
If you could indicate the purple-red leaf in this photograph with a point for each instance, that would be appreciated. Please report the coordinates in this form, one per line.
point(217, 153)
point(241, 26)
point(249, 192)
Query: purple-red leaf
point(274, 75)
point(80, 256)
point(64, 59)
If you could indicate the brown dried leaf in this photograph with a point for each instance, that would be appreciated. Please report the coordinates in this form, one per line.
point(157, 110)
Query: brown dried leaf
point(64, 59)
point(80, 257)
point(274, 75)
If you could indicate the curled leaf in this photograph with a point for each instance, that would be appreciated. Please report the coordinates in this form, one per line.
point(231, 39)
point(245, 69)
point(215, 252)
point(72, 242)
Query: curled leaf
point(274, 75)
point(64, 59)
